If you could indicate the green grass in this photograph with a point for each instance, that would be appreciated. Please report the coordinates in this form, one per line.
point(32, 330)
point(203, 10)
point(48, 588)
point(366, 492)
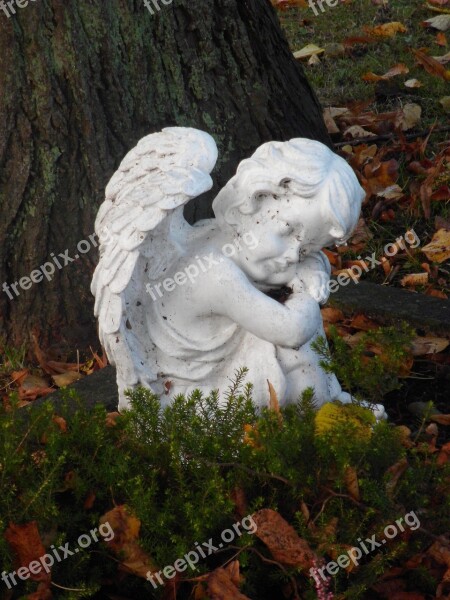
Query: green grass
point(337, 80)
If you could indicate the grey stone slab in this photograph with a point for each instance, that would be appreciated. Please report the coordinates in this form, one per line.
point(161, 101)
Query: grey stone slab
point(390, 305)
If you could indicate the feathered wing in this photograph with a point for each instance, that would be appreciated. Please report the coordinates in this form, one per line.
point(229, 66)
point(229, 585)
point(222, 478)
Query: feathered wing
point(141, 224)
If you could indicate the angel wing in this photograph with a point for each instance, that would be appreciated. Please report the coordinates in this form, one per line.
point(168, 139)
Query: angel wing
point(141, 221)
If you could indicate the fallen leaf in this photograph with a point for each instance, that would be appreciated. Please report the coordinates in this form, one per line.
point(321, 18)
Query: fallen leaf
point(438, 250)
point(413, 83)
point(355, 131)
point(274, 405)
point(283, 541)
point(330, 122)
point(414, 279)
point(409, 116)
point(400, 69)
point(440, 552)
point(442, 60)
point(308, 51)
point(66, 378)
point(314, 60)
point(441, 419)
point(428, 345)
point(440, 22)
point(431, 65)
point(61, 423)
point(26, 544)
point(394, 473)
point(386, 29)
point(445, 102)
point(441, 39)
point(351, 482)
point(125, 544)
point(223, 583)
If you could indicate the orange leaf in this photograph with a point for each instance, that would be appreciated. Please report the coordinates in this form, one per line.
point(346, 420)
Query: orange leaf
point(274, 404)
point(125, 544)
point(441, 419)
point(414, 279)
point(431, 65)
point(441, 39)
point(400, 69)
point(27, 546)
point(351, 482)
point(387, 29)
point(283, 541)
point(395, 472)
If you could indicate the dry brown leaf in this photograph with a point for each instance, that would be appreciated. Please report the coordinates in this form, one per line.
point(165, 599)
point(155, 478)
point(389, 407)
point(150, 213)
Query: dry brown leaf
point(330, 122)
point(441, 419)
point(428, 345)
point(26, 544)
point(331, 315)
point(441, 39)
point(386, 30)
point(405, 436)
point(440, 552)
point(395, 472)
point(283, 541)
point(112, 418)
point(223, 583)
point(431, 65)
point(400, 69)
point(409, 116)
point(273, 400)
point(351, 482)
point(356, 131)
point(438, 250)
point(414, 279)
point(61, 423)
point(125, 544)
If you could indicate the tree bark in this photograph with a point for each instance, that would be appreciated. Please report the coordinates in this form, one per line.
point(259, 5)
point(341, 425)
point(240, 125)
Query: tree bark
point(81, 81)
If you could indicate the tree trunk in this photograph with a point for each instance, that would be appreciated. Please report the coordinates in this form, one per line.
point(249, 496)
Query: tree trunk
point(80, 82)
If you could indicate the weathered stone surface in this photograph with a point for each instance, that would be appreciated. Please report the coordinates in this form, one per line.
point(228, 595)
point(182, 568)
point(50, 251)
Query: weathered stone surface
point(98, 388)
point(389, 305)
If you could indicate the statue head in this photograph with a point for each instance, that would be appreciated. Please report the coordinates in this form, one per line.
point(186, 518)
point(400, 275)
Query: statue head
point(304, 171)
point(296, 197)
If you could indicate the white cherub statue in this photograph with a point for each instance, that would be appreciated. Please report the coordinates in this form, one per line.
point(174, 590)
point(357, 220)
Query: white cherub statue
point(183, 307)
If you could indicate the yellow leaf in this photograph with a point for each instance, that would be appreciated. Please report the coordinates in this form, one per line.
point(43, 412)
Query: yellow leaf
point(308, 51)
point(387, 29)
point(66, 378)
point(438, 249)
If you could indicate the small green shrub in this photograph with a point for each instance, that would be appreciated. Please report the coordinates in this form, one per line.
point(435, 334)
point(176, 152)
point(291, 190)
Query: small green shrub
point(178, 470)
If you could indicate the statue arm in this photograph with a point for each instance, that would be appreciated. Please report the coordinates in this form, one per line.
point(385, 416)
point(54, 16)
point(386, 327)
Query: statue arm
point(290, 325)
point(314, 273)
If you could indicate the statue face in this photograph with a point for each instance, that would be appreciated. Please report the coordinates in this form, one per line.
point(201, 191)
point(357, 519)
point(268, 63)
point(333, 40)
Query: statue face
point(287, 230)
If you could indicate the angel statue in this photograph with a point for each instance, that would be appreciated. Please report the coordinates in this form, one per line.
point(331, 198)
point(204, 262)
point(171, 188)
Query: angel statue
point(182, 307)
